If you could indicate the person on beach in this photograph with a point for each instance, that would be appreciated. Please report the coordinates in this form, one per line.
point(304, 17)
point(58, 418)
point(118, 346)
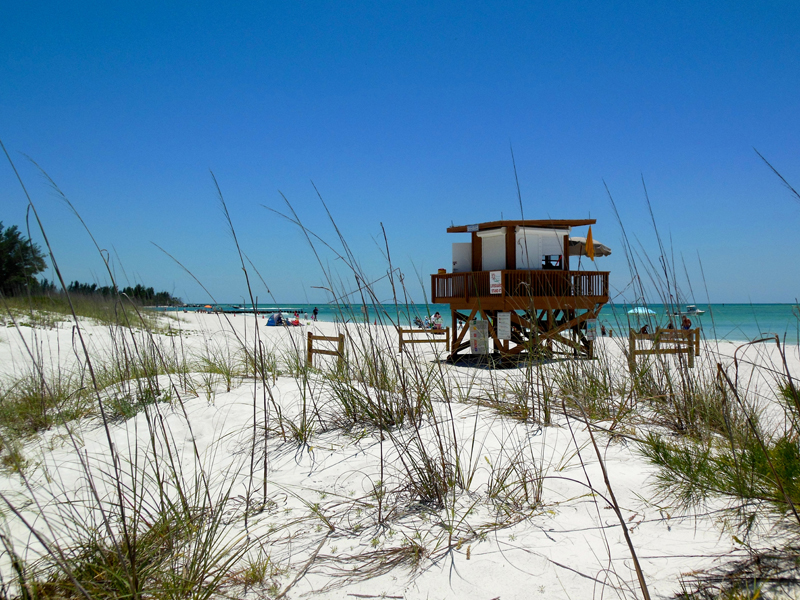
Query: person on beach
point(437, 320)
point(645, 329)
point(603, 330)
point(314, 314)
point(686, 323)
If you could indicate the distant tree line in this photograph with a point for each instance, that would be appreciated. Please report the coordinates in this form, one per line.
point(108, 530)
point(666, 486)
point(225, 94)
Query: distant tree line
point(21, 260)
point(145, 295)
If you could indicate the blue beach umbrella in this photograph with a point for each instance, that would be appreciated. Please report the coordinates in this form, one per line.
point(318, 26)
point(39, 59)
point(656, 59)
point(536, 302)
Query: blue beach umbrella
point(641, 310)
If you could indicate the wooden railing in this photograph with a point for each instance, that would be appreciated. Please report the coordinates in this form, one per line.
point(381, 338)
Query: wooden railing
point(520, 284)
point(677, 341)
point(407, 336)
point(311, 351)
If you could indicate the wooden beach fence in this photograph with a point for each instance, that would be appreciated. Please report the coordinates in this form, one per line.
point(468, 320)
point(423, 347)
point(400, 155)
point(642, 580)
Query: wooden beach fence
point(677, 341)
point(407, 336)
point(339, 352)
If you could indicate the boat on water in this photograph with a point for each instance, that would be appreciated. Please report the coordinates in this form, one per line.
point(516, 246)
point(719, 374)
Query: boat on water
point(691, 311)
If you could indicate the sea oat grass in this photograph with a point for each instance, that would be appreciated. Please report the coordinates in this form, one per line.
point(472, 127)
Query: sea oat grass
point(38, 400)
point(49, 311)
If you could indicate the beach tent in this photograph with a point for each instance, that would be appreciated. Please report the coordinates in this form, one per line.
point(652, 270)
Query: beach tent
point(577, 247)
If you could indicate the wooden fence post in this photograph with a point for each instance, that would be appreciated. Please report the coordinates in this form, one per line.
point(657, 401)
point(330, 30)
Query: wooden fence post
point(339, 352)
point(632, 350)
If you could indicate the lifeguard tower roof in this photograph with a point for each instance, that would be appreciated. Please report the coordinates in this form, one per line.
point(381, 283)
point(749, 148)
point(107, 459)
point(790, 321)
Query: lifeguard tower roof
point(548, 223)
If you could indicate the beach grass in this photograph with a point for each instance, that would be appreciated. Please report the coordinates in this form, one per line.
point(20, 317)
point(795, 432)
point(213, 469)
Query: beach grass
point(410, 406)
point(198, 453)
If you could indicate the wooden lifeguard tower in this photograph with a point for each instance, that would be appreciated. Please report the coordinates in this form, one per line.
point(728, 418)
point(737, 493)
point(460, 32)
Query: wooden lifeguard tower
point(515, 277)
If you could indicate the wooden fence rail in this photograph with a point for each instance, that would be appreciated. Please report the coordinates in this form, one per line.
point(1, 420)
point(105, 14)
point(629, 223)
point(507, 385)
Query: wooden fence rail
point(678, 341)
point(325, 338)
point(428, 340)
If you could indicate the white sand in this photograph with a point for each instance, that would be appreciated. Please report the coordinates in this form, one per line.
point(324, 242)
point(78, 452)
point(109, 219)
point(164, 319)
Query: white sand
point(572, 546)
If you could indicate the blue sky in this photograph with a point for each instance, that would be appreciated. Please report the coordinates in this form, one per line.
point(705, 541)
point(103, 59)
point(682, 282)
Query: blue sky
point(402, 114)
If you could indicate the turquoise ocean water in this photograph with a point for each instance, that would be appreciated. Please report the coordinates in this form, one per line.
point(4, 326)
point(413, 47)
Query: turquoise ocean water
point(733, 322)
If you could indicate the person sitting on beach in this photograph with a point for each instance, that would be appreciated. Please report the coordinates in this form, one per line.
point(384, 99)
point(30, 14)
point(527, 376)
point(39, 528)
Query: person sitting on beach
point(670, 325)
point(437, 321)
point(645, 330)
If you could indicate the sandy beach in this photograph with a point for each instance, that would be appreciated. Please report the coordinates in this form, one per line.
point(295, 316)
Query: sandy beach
point(330, 506)
point(598, 202)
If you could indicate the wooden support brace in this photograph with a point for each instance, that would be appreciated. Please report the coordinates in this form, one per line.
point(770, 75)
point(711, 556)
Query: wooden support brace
point(457, 342)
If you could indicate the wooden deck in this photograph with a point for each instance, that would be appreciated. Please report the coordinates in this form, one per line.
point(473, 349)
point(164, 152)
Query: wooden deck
point(546, 289)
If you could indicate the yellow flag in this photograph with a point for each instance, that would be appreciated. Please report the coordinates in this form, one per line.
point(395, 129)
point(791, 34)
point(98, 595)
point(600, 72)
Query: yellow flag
point(590, 244)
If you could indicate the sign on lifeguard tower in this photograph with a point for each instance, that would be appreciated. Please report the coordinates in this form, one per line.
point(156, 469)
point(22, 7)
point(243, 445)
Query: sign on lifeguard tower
point(495, 282)
point(479, 337)
point(504, 325)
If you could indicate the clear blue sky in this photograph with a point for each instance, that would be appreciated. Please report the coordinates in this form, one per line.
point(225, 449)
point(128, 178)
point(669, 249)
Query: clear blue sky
point(403, 114)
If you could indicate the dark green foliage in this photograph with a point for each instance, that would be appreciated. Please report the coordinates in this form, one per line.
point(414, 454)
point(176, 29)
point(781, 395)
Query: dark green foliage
point(790, 394)
point(20, 261)
point(44, 286)
point(149, 297)
point(125, 406)
point(691, 472)
point(146, 296)
point(786, 461)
